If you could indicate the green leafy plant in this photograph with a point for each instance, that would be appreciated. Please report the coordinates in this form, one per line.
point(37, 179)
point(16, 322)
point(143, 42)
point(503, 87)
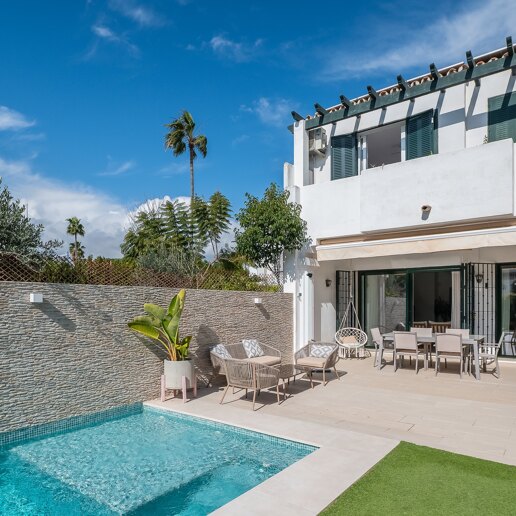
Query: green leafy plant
point(162, 325)
point(270, 227)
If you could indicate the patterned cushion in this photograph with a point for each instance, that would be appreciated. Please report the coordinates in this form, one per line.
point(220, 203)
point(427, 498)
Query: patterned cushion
point(321, 350)
point(252, 348)
point(221, 351)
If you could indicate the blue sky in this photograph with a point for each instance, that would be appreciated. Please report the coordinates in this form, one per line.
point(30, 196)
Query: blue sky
point(86, 87)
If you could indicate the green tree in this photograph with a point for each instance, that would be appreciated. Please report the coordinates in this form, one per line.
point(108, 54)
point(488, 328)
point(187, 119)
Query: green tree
point(76, 250)
point(218, 220)
point(75, 228)
point(18, 234)
point(145, 234)
point(268, 228)
point(181, 137)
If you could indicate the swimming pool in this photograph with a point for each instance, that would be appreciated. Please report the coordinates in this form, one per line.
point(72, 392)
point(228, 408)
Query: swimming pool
point(150, 462)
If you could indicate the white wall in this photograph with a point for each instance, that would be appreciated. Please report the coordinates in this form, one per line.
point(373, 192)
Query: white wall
point(462, 185)
point(468, 184)
point(332, 208)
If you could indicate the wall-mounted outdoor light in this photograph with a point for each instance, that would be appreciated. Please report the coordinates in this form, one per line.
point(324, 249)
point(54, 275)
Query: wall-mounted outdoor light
point(258, 301)
point(328, 282)
point(426, 208)
point(36, 297)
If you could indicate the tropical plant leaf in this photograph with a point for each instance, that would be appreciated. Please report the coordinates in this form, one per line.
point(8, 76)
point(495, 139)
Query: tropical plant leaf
point(175, 311)
point(155, 310)
point(148, 319)
point(145, 329)
point(183, 346)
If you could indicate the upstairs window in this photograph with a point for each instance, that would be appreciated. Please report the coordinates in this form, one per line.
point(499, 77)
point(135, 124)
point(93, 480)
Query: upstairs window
point(421, 139)
point(380, 146)
point(344, 156)
point(501, 117)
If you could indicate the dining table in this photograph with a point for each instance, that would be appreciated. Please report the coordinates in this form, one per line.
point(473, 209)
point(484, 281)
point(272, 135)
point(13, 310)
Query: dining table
point(472, 340)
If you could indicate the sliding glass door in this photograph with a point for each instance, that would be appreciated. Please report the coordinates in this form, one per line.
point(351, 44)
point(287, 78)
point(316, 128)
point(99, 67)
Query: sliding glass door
point(385, 301)
point(394, 300)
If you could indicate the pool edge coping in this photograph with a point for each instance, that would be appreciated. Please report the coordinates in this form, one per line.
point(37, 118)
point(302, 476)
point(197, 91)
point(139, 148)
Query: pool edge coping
point(279, 493)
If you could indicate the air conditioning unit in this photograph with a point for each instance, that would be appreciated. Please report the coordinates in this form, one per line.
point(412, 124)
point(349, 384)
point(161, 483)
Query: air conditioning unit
point(317, 141)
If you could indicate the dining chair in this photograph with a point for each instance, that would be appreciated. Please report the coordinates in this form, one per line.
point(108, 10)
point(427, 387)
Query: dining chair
point(420, 324)
point(439, 327)
point(488, 353)
point(405, 343)
point(449, 345)
point(465, 335)
point(379, 346)
point(424, 332)
point(459, 331)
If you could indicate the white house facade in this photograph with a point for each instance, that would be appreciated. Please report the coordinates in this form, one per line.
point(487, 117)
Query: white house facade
point(410, 200)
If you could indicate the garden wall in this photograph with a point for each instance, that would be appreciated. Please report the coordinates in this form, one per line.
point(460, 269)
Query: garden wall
point(73, 354)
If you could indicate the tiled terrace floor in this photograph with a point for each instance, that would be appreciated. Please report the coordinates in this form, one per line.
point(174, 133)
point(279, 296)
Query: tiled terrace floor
point(466, 416)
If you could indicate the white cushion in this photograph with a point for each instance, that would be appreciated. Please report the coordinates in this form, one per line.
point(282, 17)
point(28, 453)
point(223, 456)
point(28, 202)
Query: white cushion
point(321, 350)
point(221, 351)
point(252, 348)
point(266, 360)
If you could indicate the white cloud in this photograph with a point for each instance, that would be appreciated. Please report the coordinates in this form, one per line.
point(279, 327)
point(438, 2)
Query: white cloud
point(51, 202)
point(480, 27)
point(11, 120)
point(140, 14)
point(233, 50)
point(174, 169)
point(271, 111)
point(104, 33)
point(239, 139)
point(114, 169)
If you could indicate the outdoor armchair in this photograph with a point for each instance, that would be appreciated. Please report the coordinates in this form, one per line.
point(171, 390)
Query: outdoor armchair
point(266, 355)
point(318, 356)
point(242, 374)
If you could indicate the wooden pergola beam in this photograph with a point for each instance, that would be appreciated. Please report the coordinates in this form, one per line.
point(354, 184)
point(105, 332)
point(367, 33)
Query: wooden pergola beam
point(470, 60)
point(433, 72)
point(372, 92)
point(296, 116)
point(320, 109)
point(402, 83)
point(345, 101)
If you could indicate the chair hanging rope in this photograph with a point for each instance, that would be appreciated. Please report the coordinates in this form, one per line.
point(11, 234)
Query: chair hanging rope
point(350, 338)
point(350, 309)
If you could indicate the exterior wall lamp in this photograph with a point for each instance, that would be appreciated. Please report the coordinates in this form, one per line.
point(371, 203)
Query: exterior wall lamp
point(258, 301)
point(328, 282)
point(36, 297)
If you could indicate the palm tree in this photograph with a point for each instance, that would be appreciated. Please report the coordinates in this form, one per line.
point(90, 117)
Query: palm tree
point(77, 250)
point(180, 137)
point(75, 228)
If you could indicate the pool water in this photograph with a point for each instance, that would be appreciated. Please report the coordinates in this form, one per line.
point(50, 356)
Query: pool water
point(152, 462)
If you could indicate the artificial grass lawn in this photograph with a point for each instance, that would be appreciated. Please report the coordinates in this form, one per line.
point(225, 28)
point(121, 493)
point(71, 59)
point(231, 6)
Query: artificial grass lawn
point(419, 480)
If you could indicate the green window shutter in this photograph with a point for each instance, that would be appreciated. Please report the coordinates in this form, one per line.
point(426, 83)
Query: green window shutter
point(501, 117)
point(420, 135)
point(344, 156)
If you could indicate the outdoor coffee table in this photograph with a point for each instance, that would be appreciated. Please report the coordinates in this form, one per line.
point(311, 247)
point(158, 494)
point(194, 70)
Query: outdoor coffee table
point(290, 371)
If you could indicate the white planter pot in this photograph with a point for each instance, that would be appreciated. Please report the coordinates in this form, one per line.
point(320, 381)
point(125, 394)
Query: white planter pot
point(174, 372)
